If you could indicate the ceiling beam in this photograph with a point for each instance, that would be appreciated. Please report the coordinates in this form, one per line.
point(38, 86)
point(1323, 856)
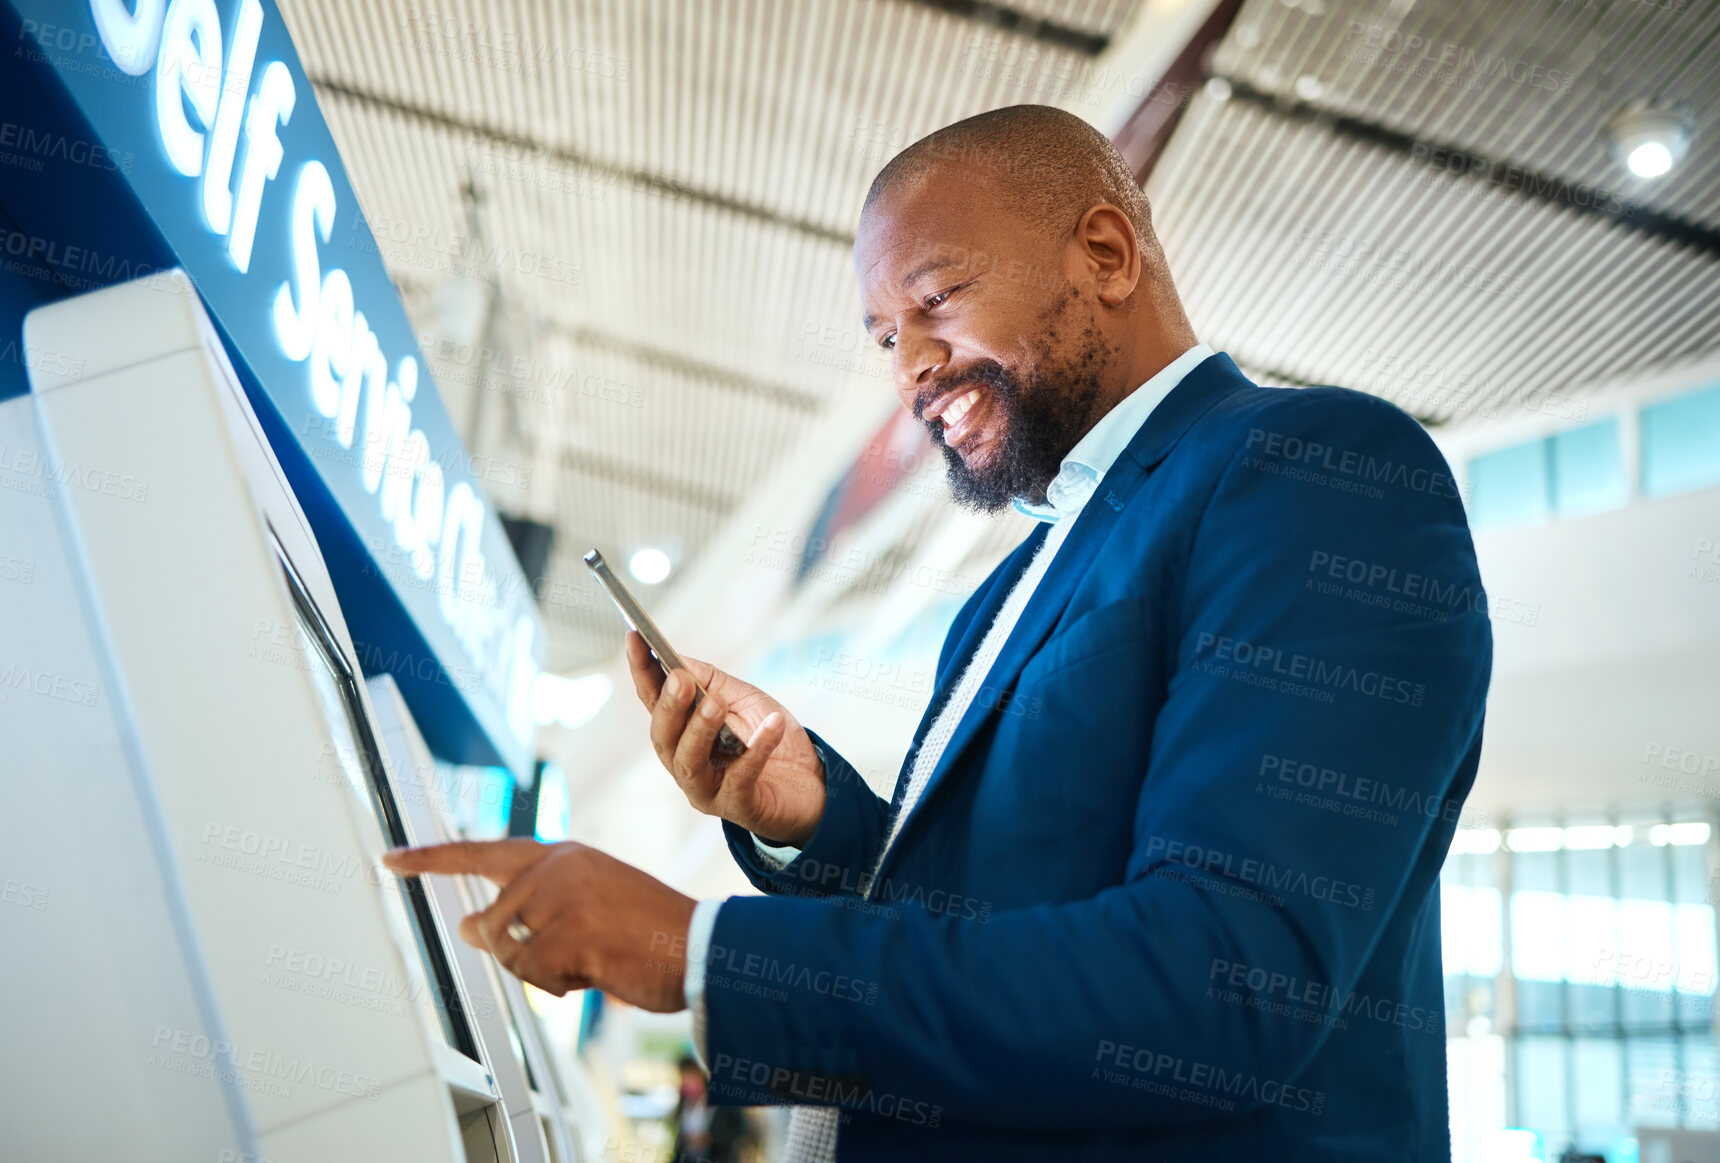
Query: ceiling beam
point(1498, 174)
point(645, 480)
point(994, 15)
point(676, 363)
point(621, 175)
point(1143, 136)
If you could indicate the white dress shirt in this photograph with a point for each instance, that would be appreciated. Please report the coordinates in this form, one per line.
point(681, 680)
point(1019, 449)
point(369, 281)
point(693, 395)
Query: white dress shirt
point(1067, 494)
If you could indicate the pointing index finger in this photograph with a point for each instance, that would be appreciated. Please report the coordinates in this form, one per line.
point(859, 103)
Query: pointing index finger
point(498, 860)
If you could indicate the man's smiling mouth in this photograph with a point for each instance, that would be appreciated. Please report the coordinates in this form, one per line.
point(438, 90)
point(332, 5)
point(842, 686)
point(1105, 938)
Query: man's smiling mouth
point(959, 416)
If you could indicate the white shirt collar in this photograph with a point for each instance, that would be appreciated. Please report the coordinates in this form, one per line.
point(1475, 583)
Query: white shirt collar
point(1095, 453)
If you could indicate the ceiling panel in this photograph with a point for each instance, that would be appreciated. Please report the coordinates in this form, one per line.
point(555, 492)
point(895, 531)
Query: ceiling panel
point(1323, 259)
point(653, 204)
point(1529, 83)
point(783, 107)
point(622, 227)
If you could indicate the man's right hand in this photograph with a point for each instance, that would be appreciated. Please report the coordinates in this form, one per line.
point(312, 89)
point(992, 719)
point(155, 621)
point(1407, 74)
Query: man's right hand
point(775, 791)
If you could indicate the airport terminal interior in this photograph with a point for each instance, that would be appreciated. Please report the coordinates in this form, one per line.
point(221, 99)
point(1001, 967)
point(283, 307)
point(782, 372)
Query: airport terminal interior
point(594, 263)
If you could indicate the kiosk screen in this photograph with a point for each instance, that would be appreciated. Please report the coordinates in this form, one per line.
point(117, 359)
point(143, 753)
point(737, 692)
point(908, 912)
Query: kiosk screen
point(358, 753)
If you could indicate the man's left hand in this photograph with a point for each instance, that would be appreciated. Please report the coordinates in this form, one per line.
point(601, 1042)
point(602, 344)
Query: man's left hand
point(594, 922)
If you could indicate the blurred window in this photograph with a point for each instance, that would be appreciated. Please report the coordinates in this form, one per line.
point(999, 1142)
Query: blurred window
point(1606, 951)
point(1587, 469)
point(1570, 474)
point(1681, 443)
point(1509, 487)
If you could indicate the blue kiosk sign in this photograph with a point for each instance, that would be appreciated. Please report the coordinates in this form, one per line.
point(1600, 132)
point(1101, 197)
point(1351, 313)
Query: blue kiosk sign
point(211, 130)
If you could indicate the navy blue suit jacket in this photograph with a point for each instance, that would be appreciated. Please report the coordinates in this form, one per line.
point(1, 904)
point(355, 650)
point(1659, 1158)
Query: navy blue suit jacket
point(1172, 890)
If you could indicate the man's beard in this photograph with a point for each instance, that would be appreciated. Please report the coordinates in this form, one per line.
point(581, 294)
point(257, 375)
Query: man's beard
point(1036, 424)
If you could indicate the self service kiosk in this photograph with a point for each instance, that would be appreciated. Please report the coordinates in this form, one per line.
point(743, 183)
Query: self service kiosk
point(204, 957)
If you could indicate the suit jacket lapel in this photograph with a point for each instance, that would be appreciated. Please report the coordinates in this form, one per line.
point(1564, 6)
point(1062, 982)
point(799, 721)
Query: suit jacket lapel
point(1001, 581)
point(1198, 392)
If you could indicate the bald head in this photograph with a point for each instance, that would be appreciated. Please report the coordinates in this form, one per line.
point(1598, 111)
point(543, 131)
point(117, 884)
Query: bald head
point(1044, 166)
point(1008, 265)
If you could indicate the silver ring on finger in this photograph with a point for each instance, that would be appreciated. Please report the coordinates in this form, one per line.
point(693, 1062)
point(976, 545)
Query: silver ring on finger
point(520, 931)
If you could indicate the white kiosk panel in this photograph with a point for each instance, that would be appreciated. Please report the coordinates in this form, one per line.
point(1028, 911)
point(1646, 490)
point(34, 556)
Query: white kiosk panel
point(109, 1026)
point(342, 1019)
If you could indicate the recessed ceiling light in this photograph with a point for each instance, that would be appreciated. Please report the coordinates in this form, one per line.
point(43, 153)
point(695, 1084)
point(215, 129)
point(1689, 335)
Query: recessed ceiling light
point(1649, 160)
point(649, 565)
point(1648, 140)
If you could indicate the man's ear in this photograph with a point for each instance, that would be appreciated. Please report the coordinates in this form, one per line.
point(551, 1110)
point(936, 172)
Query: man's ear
point(1110, 252)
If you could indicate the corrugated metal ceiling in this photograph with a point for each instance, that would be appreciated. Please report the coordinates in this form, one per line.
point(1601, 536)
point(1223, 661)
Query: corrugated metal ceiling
point(1322, 230)
point(665, 199)
point(663, 195)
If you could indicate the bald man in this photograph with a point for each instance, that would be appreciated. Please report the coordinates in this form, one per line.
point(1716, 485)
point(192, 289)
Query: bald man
point(1159, 879)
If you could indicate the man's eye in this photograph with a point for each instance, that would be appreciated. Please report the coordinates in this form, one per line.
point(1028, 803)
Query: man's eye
point(937, 300)
point(888, 343)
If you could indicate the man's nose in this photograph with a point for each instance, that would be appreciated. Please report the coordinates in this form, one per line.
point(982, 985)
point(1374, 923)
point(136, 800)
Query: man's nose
point(916, 359)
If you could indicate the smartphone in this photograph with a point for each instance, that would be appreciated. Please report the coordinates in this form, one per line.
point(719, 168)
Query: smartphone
point(728, 743)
